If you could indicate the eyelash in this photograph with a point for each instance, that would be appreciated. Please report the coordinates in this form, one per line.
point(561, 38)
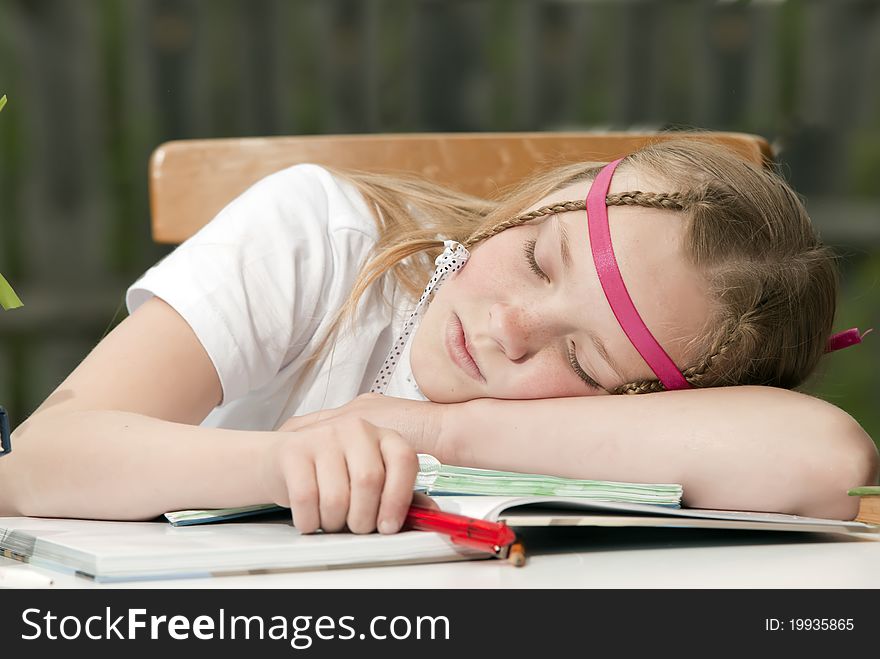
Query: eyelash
point(572, 359)
point(529, 250)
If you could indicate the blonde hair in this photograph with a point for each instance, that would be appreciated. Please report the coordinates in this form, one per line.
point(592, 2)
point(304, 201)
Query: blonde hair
point(773, 284)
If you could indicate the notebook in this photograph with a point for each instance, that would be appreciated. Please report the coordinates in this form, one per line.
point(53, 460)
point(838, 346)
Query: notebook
point(131, 551)
point(438, 479)
point(267, 542)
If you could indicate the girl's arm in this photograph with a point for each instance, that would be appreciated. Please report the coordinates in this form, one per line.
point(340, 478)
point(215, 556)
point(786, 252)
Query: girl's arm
point(743, 448)
point(740, 448)
point(110, 464)
point(116, 441)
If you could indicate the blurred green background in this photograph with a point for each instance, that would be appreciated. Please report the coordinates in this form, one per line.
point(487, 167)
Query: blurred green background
point(95, 85)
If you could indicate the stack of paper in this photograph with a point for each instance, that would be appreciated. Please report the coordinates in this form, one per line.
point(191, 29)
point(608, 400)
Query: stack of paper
point(435, 478)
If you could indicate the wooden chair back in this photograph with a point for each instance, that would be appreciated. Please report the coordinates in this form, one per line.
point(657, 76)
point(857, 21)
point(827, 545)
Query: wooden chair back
point(192, 180)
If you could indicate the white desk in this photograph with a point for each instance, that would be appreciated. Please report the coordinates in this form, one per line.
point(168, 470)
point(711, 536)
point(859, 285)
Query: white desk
point(597, 558)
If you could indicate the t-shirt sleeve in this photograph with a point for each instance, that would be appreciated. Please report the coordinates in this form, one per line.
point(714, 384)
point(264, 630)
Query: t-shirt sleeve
point(255, 283)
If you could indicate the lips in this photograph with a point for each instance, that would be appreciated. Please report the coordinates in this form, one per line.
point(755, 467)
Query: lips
point(456, 347)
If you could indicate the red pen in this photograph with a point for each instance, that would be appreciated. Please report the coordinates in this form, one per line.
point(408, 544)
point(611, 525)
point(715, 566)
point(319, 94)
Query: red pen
point(493, 537)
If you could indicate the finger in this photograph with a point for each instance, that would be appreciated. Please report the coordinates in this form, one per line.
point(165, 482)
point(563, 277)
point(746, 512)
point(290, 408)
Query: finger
point(366, 473)
point(302, 489)
point(401, 467)
point(333, 488)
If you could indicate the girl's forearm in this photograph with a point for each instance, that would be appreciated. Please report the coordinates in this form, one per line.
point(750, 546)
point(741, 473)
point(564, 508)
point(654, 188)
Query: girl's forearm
point(744, 448)
point(119, 465)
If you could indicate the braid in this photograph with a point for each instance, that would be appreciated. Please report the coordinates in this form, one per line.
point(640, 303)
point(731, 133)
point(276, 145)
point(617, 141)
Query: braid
point(640, 387)
point(562, 207)
point(666, 201)
point(673, 201)
point(696, 374)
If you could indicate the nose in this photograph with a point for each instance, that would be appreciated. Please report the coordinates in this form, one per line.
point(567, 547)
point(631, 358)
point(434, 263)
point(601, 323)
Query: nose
point(516, 330)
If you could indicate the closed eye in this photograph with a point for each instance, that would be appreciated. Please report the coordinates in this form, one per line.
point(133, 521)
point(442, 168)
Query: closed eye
point(590, 382)
point(529, 250)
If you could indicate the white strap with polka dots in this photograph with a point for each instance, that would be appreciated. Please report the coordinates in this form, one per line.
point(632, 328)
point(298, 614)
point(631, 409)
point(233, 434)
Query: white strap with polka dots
point(454, 256)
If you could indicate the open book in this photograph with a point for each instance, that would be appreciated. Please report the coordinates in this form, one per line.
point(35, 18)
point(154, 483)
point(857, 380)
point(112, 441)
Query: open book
point(126, 551)
point(435, 479)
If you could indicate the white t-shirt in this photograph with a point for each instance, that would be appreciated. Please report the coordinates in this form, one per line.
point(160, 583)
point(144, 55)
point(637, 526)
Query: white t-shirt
point(261, 283)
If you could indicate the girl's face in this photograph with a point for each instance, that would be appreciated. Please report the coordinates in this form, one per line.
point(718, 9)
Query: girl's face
point(523, 323)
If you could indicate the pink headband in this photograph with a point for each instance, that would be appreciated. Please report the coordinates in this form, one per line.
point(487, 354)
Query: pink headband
point(622, 305)
point(615, 290)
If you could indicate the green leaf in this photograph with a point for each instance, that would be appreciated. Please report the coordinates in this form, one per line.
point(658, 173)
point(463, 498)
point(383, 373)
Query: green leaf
point(8, 298)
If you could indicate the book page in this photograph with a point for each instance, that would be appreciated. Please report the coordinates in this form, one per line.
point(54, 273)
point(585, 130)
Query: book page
point(558, 511)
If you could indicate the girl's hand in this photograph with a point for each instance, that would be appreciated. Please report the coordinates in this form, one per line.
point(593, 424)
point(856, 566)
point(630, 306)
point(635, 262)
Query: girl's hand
point(419, 422)
point(345, 473)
